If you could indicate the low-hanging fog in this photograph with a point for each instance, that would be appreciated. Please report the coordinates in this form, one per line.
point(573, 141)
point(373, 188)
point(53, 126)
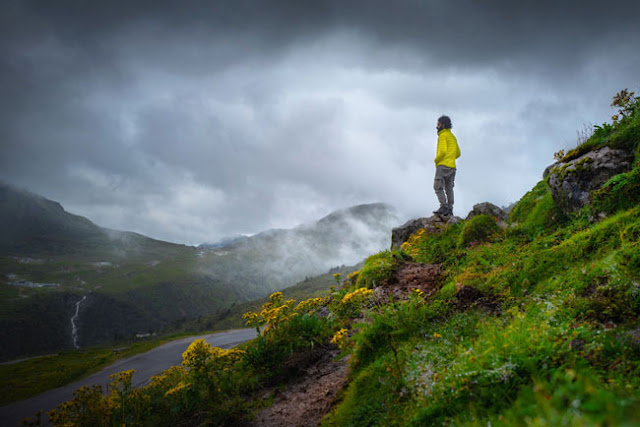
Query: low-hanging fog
point(279, 258)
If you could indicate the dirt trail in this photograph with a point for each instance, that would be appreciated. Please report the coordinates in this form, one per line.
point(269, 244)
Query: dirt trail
point(309, 397)
point(312, 394)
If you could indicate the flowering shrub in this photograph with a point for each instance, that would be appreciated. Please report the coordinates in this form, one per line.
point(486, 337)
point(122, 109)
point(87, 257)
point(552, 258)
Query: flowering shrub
point(352, 303)
point(352, 277)
point(209, 376)
point(410, 246)
point(273, 312)
point(284, 328)
point(310, 305)
point(88, 407)
point(340, 338)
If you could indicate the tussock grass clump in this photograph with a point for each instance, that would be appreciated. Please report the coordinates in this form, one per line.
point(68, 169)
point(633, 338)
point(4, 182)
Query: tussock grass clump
point(479, 229)
point(433, 248)
point(623, 133)
point(536, 213)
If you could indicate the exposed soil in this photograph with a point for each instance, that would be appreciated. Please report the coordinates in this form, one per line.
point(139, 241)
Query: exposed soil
point(427, 279)
point(470, 297)
point(318, 378)
point(309, 397)
point(409, 276)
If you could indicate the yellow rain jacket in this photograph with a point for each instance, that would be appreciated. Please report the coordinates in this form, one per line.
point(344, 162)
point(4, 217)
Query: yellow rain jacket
point(448, 150)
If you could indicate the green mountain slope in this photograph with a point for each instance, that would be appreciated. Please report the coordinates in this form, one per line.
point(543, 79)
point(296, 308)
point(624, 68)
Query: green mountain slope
point(535, 321)
point(536, 324)
point(50, 260)
point(31, 225)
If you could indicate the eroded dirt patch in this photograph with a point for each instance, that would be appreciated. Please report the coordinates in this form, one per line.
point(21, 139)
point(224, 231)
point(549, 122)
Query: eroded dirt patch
point(319, 378)
point(409, 276)
point(310, 396)
point(470, 297)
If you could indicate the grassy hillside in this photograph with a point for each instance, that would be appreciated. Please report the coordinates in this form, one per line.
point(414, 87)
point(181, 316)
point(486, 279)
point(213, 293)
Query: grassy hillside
point(551, 336)
point(537, 323)
point(231, 317)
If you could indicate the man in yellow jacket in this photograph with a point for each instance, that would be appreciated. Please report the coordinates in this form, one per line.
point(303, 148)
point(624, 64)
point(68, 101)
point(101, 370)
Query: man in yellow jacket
point(446, 154)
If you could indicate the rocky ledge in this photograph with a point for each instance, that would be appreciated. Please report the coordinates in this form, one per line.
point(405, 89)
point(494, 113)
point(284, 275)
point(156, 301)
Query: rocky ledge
point(436, 223)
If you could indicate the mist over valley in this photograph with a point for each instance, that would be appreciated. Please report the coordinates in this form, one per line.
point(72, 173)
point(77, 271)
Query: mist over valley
point(115, 285)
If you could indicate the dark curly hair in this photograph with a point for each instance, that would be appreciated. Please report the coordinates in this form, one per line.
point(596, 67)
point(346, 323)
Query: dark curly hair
point(446, 122)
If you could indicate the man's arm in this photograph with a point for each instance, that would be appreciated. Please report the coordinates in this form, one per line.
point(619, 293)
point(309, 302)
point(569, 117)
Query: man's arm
point(455, 140)
point(440, 150)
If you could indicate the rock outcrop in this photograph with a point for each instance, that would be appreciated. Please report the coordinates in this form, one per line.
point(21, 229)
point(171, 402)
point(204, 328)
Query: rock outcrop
point(487, 208)
point(573, 182)
point(433, 224)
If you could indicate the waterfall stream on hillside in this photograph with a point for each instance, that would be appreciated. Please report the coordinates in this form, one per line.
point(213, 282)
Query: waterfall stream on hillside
point(74, 327)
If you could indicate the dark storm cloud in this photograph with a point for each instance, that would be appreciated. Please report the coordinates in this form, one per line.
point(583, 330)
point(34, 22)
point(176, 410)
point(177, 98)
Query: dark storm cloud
point(195, 119)
point(461, 31)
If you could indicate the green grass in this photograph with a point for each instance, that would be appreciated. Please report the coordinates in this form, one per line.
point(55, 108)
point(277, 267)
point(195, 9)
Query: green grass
point(379, 268)
point(554, 340)
point(479, 229)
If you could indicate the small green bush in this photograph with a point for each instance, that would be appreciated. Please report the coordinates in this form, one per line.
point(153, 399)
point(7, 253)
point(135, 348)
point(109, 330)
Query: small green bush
point(434, 248)
point(379, 268)
point(536, 212)
point(628, 135)
point(479, 229)
point(522, 210)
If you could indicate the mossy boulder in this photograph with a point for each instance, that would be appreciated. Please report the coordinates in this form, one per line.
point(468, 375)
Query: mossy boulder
point(572, 183)
point(479, 229)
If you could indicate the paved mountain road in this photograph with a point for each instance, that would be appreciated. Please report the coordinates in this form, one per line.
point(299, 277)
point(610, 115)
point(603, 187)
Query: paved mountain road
point(146, 365)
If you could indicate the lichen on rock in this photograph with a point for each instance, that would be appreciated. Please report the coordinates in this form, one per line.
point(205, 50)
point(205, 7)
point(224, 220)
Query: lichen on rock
point(573, 182)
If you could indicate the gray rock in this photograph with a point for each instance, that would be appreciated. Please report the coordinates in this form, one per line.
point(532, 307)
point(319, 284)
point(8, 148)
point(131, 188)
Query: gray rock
point(433, 224)
point(487, 208)
point(573, 182)
point(548, 170)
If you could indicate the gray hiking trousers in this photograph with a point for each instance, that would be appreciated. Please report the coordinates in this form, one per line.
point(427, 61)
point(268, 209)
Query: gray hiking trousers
point(443, 185)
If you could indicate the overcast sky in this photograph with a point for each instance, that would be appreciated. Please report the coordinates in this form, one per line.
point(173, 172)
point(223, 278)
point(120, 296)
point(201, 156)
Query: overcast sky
point(189, 121)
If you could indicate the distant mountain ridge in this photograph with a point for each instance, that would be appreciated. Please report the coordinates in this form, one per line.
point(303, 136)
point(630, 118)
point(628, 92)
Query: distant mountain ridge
point(286, 256)
point(331, 228)
point(33, 225)
point(135, 284)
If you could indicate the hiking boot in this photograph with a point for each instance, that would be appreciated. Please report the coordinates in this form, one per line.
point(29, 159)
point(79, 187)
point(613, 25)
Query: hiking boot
point(442, 211)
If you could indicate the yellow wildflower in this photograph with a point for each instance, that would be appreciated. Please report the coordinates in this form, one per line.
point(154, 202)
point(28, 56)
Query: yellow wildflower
point(339, 338)
point(357, 294)
point(418, 292)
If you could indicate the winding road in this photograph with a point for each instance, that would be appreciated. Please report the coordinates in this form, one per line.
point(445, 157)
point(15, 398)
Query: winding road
point(146, 365)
